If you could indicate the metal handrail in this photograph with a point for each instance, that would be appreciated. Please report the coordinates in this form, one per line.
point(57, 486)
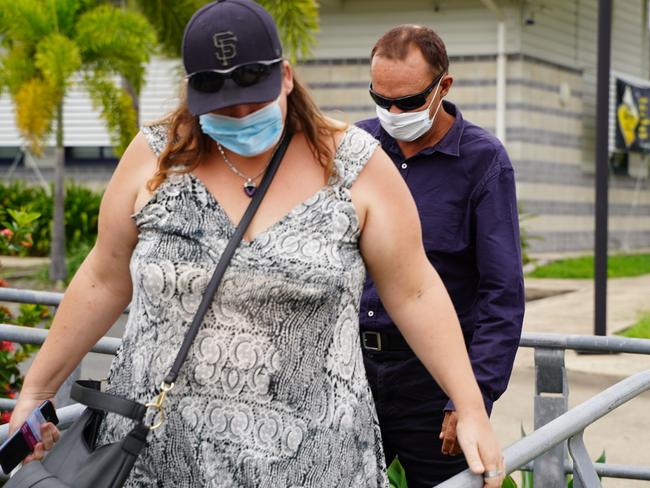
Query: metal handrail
point(562, 428)
point(585, 343)
point(517, 456)
point(32, 335)
point(528, 339)
point(50, 298)
point(607, 470)
point(16, 295)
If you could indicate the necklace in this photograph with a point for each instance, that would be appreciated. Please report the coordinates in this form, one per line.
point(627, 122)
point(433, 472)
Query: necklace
point(249, 182)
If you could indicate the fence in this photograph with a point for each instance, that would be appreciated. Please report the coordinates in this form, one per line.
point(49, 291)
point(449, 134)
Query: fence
point(557, 430)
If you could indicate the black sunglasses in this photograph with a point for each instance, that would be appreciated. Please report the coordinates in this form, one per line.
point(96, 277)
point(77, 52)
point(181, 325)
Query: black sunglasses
point(407, 103)
point(248, 74)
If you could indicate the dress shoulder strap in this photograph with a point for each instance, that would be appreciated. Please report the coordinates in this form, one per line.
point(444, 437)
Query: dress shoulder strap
point(352, 155)
point(156, 135)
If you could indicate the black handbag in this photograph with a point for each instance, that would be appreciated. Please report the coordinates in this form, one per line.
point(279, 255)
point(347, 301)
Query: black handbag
point(75, 461)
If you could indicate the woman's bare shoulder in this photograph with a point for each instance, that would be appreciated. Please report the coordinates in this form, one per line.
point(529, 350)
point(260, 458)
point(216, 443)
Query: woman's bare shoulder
point(128, 185)
point(339, 129)
point(139, 160)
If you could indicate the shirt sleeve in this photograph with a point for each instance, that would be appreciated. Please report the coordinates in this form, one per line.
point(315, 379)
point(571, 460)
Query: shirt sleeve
point(499, 309)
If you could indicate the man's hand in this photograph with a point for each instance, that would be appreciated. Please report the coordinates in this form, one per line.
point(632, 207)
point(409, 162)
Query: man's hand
point(450, 444)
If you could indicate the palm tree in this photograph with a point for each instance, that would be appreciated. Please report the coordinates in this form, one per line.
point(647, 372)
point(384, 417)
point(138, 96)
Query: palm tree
point(297, 22)
point(45, 47)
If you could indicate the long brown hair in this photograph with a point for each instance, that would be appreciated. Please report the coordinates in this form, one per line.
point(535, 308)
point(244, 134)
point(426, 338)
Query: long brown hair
point(187, 145)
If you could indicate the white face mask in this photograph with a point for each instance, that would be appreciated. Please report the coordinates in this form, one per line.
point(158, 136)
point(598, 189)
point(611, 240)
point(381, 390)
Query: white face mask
point(408, 126)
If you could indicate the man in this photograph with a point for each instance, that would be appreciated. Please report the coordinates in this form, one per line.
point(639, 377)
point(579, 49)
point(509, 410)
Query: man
point(463, 185)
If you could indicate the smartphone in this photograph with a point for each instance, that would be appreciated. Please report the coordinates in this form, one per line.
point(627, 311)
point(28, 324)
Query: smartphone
point(22, 442)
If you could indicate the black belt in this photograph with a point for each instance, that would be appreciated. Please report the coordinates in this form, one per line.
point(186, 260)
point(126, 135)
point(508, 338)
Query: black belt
point(378, 341)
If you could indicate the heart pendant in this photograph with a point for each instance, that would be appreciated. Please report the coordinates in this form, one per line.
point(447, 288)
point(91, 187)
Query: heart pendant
point(249, 189)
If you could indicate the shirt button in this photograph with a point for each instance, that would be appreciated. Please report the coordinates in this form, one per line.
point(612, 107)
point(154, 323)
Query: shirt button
point(371, 313)
point(404, 165)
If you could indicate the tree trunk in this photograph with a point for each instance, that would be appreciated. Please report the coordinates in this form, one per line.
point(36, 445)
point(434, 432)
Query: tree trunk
point(128, 87)
point(58, 269)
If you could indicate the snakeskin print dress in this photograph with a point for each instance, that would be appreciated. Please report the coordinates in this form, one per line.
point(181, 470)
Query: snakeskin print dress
point(273, 393)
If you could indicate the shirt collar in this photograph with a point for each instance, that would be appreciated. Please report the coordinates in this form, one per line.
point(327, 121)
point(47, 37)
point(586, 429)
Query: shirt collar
point(449, 144)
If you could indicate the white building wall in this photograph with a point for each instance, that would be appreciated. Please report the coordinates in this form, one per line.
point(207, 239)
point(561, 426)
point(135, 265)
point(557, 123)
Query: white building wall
point(83, 125)
point(8, 133)
point(566, 33)
point(160, 92)
point(350, 28)
point(552, 37)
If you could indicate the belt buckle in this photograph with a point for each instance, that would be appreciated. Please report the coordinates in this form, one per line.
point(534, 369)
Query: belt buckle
point(377, 337)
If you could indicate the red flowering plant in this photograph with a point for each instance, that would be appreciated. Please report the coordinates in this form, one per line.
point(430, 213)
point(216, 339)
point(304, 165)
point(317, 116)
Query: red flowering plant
point(15, 237)
point(16, 234)
point(12, 354)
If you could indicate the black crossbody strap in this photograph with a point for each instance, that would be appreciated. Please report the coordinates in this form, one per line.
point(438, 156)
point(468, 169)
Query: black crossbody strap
point(87, 392)
point(227, 255)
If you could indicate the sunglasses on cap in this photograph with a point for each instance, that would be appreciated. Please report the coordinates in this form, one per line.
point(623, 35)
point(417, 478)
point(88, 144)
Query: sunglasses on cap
point(407, 103)
point(248, 74)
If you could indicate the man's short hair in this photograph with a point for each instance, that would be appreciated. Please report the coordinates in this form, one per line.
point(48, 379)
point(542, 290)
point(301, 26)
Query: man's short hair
point(395, 44)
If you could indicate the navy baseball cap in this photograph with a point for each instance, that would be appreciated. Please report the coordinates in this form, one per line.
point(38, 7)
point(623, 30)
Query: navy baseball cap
point(225, 34)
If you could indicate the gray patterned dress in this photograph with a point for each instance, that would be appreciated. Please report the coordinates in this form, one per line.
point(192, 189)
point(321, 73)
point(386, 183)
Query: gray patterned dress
point(273, 392)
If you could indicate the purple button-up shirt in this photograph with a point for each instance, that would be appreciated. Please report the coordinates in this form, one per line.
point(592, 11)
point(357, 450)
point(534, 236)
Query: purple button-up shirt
point(464, 189)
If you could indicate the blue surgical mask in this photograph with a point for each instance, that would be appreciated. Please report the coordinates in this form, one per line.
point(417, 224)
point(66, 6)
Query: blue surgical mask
point(247, 136)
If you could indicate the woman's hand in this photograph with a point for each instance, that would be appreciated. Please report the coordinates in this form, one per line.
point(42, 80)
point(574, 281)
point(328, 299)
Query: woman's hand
point(481, 448)
point(49, 433)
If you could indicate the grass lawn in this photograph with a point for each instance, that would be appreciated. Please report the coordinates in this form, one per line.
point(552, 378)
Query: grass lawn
point(640, 330)
point(619, 266)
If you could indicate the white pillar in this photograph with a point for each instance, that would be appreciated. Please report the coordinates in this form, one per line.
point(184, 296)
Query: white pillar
point(501, 81)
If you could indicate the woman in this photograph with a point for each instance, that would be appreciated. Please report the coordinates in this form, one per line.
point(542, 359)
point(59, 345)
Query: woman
point(273, 393)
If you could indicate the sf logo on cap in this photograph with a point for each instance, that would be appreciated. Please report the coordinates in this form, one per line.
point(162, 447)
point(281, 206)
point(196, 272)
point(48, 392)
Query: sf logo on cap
point(226, 47)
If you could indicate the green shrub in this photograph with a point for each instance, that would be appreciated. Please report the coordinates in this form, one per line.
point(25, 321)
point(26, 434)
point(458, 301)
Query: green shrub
point(81, 214)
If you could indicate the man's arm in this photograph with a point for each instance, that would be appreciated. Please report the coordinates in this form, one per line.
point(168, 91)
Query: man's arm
point(499, 309)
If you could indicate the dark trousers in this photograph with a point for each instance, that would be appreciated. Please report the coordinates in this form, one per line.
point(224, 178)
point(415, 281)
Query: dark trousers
point(410, 406)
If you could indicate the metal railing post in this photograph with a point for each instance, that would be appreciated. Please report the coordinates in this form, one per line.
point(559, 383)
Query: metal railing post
point(551, 401)
point(584, 473)
point(564, 427)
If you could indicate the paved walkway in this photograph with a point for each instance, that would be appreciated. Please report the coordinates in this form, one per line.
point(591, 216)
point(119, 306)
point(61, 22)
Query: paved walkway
point(573, 313)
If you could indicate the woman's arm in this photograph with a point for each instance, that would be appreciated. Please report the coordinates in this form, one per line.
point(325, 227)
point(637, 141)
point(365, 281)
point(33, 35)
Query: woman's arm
point(416, 299)
point(99, 291)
